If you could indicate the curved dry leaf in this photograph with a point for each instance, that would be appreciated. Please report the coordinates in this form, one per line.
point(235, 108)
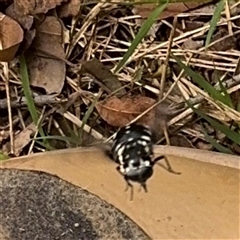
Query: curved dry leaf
point(46, 70)
point(69, 9)
point(21, 140)
point(120, 111)
point(198, 210)
point(144, 10)
point(26, 21)
point(11, 35)
point(31, 7)
point(104, 75)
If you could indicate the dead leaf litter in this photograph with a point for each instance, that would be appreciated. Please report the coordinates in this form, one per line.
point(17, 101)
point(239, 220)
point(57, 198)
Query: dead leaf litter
point(72, 50)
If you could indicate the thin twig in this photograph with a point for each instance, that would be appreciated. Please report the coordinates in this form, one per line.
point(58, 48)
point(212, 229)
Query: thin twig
point(36, 133)
point(6, 79)
point(39, 100)
point(164, 72)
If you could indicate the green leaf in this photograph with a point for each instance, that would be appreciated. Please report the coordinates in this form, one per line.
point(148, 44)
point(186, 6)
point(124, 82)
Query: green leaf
point(86, 117)
point(141, 34)
point(214, 21)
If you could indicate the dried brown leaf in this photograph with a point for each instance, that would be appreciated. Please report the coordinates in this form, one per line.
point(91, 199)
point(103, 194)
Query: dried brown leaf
point(180, 141)
point(226, 43)
point(21, 140)
point(103, 75)
point(25, 21)
point(11, 35)
point(192, 44)
point(47, 72)
point(32, 7)
point(69, 9)
point(172, 9)
point(120, 111)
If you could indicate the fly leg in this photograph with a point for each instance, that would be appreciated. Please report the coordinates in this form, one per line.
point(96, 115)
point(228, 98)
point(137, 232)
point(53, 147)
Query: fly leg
point(129, 185)
point(169, 167)
point(144, 186)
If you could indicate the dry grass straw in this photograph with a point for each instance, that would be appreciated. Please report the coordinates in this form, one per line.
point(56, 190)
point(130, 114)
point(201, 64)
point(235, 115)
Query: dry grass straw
point(149, 50)
point(100, 37)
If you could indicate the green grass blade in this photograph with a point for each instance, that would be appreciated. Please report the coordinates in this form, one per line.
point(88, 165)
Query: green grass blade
point(48, 146)
point(229, 133)
point(28, 95)
point(138, 75)
point(215, 144)
point(86, 117)
point(197, 78)
point(3, 156)
point(60, 138)
point(227, 96)
point(214, 21)
point(27, 91)
point(141, 34)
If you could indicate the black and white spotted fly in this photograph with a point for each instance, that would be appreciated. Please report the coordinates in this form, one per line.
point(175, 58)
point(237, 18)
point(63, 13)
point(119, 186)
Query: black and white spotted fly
point(132, 149)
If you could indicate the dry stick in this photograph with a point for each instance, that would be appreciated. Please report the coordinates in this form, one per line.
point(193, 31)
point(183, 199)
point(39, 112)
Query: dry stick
point(229, 67)
point(222, 55)
point(49, 123)
point(165, 131)
point(111, 35)
point(221, 39)
point(163, 77)
point(168, 124)
point(90, 17)
point(155, 90)
point(59, 129)
point(6, 79)
point(79, 123)
point(19, 110)
point(146, 111)
point(228, 16)
point(37, 127)
point(230, 110)
point(38, 100)
point(235, 5)
point(199, 98)
point(181, 38)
